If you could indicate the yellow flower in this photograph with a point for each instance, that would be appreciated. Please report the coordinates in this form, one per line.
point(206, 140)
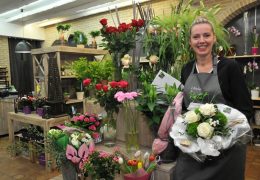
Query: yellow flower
point(139, 165)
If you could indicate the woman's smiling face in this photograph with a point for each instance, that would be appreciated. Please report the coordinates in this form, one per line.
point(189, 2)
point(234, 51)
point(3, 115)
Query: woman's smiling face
point(202, 39)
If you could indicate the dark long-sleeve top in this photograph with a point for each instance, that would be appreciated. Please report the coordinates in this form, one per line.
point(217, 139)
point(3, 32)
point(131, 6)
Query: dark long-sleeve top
point(232, 84)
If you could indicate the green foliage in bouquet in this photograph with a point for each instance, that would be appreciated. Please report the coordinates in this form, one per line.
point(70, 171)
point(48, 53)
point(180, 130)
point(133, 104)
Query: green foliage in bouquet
point(206, 121)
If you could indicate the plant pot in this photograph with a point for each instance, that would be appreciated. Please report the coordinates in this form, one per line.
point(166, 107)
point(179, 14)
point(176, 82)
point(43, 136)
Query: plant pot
point(68, 171)
point(39, 111)
point(80, 45)
point(41, 159)
point(254, 50)
point(27, 110)
point(254, 93)
point(80, 95)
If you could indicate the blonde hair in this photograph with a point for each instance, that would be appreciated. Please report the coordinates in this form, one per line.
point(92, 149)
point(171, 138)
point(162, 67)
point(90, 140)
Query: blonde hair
point(202, 20)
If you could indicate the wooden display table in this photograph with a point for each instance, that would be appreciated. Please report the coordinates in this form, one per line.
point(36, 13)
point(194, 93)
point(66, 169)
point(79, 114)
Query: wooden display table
point(35, 120)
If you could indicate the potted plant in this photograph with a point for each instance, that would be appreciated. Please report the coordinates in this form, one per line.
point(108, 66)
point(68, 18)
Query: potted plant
point(80, 39)
point(78, 68)
point(251, 67)
point(255, 39)
point(94, 34)
point(62, 28)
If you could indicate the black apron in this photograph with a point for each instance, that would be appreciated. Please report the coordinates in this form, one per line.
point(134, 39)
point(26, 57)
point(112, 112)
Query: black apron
point(230, 165)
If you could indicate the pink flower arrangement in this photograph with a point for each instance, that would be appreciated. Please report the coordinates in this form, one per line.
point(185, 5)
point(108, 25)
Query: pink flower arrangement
point(131, 117)
point(90, 123)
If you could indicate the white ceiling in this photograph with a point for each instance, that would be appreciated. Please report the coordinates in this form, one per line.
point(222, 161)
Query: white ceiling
point(52, 15)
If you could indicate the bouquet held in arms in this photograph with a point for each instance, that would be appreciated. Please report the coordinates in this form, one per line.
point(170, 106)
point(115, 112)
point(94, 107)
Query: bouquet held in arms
point(207, 129)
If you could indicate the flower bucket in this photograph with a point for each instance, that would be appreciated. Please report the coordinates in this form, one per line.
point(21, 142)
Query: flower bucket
point(27, 110)
point(131, 141)
point(254, 50)
point(68, 171)
point(254, 94)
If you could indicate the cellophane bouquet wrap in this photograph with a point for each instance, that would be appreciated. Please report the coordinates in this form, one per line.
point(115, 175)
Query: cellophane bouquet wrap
point(208, 129)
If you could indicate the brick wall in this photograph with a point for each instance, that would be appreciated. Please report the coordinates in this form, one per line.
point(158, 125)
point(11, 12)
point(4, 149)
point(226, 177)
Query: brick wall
point(4, 57)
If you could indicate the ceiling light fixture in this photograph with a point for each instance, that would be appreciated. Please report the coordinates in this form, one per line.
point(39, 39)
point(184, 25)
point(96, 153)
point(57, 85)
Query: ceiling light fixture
point(23, 46)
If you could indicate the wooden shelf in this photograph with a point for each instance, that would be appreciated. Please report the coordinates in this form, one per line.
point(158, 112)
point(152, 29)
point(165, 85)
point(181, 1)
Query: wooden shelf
point(67, 77)
point(68, 49)
point(256, 99)
point(241, 57)
point(254, 126)
point(72, 101)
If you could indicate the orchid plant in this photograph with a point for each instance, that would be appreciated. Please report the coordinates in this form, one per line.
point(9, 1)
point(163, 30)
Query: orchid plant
point(251, 67)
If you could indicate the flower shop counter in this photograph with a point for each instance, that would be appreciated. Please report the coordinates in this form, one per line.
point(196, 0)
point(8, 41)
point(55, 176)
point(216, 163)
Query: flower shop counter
point(35, 120)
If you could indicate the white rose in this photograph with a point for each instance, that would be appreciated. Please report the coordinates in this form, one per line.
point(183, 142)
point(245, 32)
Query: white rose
point(207, 109)
point(192, 117)
point(205, 130)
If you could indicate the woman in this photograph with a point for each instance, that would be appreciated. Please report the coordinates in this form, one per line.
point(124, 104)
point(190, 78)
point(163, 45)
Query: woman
point(221, 81)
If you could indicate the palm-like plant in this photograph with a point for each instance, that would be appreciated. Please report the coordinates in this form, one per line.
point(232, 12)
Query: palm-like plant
point(170, 42)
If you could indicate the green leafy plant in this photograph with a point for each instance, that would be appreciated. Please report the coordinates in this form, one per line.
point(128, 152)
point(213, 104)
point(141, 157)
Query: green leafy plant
point(94, 34)
point(153, 104)
point(80, 37)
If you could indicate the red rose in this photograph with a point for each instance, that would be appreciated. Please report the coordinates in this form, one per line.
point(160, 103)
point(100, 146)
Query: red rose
point(134, 23)
point(113, 84)
point(111, 29)
point(123, 84)
point(103, 21)
point(105, 88)
point(86, 82)
point(140, 23)
point(98, 87)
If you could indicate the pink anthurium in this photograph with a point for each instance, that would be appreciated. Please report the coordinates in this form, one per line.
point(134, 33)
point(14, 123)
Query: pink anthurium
point(77, 156)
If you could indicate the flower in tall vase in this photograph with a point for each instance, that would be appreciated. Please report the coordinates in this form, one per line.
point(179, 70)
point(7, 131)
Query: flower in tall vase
point(255, 39)
point(131, 118)
point(119, 40)
point(104, 94)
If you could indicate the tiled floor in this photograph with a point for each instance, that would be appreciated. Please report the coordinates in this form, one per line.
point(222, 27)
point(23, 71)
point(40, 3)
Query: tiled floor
point(23, 169)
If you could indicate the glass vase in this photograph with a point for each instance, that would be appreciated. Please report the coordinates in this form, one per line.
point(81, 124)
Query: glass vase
point(109, 130)
point(131, 141)
point(131, 135)
point(116, 56)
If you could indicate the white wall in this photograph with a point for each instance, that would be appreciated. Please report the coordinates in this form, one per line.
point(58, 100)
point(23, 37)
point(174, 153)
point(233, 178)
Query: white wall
point(15, 30)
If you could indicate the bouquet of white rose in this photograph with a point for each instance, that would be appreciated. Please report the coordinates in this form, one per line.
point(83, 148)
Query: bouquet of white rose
point(207, 129)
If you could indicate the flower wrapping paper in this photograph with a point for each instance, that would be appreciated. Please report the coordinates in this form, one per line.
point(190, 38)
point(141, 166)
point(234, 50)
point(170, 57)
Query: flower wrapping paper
point(200, 148)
